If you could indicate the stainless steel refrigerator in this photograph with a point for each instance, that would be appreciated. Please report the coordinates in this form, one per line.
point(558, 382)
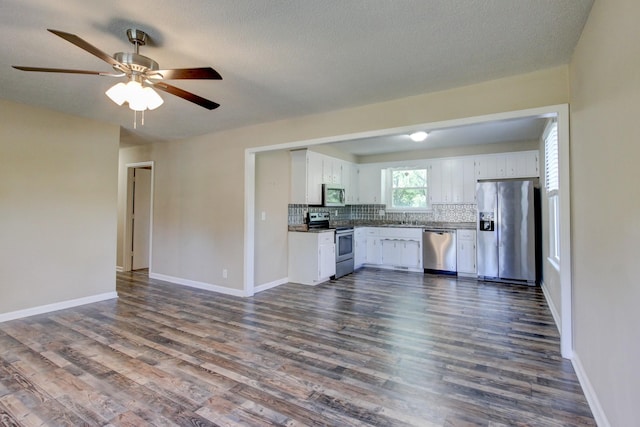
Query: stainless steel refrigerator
point(506, 231)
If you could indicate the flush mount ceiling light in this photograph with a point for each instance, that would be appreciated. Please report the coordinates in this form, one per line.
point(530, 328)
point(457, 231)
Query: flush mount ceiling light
point(419, 136)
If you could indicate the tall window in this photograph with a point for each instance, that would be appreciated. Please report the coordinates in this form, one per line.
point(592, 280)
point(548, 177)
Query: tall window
point(551, 183)
point(408, 188)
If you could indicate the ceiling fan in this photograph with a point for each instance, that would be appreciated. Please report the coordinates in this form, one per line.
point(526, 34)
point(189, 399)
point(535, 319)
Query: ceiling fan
point(139, 71)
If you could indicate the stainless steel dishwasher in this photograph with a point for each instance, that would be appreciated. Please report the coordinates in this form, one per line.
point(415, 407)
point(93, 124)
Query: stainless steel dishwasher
point(439, 251)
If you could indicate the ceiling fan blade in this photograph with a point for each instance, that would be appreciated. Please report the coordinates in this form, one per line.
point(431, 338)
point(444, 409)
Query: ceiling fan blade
point(63, 70)
point(205, 73)
point(72, 38)
point(209, 105)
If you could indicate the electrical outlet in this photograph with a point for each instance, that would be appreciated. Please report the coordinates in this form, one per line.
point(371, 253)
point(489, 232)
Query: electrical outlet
point(225, 273)
point(263, 216)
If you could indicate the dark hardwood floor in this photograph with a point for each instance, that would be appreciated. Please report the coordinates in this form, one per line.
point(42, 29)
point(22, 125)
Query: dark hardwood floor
point(376, 348)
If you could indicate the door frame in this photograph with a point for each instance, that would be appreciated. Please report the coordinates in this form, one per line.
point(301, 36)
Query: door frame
point(127, 231)
point(561, 111)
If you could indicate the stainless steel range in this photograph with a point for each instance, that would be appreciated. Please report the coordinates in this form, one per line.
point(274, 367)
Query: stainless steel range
point(343, 239)
point(344, 251)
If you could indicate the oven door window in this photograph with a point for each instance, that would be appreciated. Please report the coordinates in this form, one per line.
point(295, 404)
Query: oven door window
point(345, 245)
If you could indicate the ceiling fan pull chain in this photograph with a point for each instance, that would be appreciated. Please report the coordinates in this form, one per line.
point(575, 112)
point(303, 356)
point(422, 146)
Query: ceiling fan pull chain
point(142, 121)
point(135, 119)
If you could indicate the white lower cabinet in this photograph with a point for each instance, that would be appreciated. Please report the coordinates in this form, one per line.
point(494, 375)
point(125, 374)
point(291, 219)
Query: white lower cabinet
point(312, 257)
point(360, 247)
point(400, 253)
point(373, 253)
point(466, 252)
point(389, 247)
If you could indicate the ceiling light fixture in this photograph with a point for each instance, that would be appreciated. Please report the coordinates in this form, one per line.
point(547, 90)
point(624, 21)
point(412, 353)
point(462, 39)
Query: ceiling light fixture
point(138, 97)
point(419, 136)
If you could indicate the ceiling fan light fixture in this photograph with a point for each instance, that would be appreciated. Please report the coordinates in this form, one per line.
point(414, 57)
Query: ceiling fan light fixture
point(419, 136)
point(117, 93)
point(153, 99)
point(138, 97)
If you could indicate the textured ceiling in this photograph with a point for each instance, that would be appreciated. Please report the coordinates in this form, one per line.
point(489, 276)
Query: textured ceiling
point(278, 58)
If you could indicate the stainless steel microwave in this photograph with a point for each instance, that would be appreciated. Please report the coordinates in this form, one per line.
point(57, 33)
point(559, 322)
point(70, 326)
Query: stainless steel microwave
point(333, 195)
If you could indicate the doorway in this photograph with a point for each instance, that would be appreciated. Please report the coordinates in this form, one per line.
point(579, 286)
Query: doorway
point(139, 217)
point(561, 112)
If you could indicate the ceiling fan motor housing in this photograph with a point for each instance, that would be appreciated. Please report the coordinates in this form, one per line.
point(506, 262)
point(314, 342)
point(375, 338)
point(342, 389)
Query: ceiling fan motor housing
point(136, 62)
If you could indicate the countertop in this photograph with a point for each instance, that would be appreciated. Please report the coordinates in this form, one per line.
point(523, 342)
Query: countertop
point(428, 226)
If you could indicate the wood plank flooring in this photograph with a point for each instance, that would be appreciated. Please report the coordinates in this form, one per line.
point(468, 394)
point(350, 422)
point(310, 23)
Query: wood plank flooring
point(376, 347)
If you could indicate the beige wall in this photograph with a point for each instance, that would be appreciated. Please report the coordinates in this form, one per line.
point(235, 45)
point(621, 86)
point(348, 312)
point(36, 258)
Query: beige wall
point(57, 207)
point(272, 198)
point(199, 182)
point(605, 148)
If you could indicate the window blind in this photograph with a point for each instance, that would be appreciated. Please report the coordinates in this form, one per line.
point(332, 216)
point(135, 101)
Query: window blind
point(551, 159)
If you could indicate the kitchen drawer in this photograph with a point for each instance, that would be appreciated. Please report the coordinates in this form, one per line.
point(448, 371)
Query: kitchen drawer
point(402, 233)
point(466, 234)
point(371, 231)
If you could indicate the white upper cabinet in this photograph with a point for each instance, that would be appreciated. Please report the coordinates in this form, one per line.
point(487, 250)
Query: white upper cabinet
point(452, 180)
point(332, 170)
point(522, 164)
point(306, 177)
point(369, 184)
point(435, 182)
point(354, 193)
point(309, 170)
point(346, 180)
point(468, 180)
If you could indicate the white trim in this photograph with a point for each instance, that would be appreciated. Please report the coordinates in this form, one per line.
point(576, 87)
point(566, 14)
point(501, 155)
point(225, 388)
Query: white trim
point(561, 111)
point(119, 268)
point(126, 261)
point(554, 311)
point(589, 393)
point(554, 262)
point(48, 308)
point(566, 294)
point(198, 285)
point(270, 285)
point(249, 221)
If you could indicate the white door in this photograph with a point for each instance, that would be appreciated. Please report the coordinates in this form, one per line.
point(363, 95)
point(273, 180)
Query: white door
point(141, 218)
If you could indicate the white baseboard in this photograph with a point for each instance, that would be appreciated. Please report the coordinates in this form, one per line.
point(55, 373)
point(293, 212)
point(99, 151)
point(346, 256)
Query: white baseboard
point(270, 285)
point(589, 393)
point(552, 307)
point(5, 317)
point(198, 285)
point(119, 268)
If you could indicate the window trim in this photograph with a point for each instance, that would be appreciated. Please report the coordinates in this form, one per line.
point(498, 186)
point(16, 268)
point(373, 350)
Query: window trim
point(389, 189)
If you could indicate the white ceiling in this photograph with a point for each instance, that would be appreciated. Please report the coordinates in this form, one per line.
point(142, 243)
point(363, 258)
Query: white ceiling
point(524, 129)
point(279, 59)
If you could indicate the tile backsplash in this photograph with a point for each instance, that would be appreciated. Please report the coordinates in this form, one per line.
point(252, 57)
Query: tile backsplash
point(371, 214)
